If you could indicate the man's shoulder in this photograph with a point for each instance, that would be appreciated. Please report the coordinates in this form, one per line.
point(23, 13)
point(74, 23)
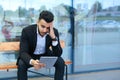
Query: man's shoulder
point(55, 29)
point(30, 27)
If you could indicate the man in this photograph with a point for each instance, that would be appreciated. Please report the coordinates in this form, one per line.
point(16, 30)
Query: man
point(35, 42)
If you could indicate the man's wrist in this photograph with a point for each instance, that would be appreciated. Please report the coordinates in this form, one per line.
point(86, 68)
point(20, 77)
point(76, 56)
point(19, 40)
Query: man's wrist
point(54, 39)
point(32, 62)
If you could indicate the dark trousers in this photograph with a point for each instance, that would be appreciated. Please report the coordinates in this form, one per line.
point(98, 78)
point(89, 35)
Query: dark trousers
point(59, 70)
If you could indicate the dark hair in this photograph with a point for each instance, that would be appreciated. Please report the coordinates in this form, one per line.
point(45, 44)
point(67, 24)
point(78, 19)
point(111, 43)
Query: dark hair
point(47, 16)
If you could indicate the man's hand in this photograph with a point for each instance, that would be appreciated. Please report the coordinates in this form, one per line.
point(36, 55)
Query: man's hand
point(37, 65)
point(52, 34)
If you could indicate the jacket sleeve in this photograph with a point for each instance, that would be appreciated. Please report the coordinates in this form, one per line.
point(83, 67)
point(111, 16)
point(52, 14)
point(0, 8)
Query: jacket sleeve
point(24, 47)
point(57, 50)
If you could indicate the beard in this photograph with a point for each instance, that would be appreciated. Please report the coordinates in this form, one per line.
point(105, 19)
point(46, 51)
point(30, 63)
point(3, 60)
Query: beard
point(43, 33)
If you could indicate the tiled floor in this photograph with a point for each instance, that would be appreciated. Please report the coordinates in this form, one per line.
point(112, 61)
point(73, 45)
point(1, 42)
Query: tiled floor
point(102, 75)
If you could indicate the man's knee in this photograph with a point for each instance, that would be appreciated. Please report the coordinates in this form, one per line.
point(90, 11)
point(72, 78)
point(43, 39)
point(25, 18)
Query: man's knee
point(60, 62)
point(22, 65)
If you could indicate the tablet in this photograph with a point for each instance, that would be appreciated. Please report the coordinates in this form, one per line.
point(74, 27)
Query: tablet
point(48, 61)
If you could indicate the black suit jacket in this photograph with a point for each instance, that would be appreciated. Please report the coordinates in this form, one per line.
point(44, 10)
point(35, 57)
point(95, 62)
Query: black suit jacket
point(28, 43)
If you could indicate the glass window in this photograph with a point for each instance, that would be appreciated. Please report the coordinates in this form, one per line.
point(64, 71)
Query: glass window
point(16, 15)
point(97, 37)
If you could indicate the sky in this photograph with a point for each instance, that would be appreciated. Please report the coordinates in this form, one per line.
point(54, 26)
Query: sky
point(14, 4)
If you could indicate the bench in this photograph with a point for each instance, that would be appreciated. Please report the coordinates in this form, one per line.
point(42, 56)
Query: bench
point(14, 46)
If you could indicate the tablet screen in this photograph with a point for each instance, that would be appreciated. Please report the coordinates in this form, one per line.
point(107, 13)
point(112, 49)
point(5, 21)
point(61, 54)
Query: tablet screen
point(48, 61)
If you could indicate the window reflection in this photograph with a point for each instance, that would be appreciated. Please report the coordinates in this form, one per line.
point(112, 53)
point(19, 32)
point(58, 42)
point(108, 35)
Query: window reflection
point(25, 12)
point(97, 28)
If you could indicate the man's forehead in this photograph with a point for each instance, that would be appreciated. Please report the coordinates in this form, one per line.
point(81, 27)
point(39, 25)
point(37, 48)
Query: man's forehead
point(43, 22)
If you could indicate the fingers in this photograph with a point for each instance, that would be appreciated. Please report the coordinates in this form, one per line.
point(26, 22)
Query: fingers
point(37, 61)
point(37, 65)
point(41, 65)
point(52, 34)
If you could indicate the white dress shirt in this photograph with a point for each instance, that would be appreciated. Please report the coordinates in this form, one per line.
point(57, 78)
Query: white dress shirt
point(41, 41)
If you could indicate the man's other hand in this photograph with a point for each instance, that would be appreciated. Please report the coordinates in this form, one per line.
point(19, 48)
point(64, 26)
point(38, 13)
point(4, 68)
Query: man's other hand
point(37, 65)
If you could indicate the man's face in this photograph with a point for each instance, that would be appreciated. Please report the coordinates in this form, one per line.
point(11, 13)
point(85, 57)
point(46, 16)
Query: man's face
point(43, 27)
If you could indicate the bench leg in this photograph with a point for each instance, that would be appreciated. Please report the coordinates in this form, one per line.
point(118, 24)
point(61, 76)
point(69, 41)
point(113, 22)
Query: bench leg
point(66, 74)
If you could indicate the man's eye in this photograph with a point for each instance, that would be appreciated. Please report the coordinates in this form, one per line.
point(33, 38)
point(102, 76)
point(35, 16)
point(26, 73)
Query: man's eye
point(43, 26)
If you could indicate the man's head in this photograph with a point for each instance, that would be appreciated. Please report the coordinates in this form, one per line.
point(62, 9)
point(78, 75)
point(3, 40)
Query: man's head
point(44, 22)
point(47, 16)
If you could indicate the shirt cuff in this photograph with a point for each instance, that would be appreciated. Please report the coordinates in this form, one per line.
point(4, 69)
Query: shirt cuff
point(54, 43)
point(30, 61)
